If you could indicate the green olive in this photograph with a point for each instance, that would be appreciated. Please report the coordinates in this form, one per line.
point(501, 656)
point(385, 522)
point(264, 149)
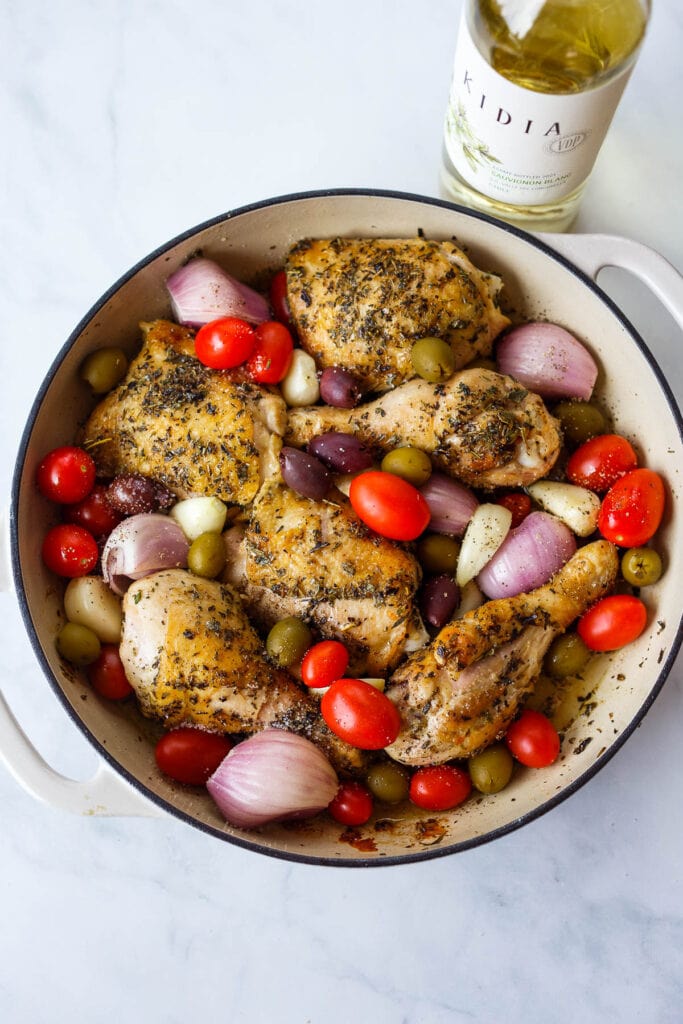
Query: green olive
point(580, 421)
point(412, 464)
point(206, 556)
point(567, 656)
point(641, 567)
point(491, 770)
point(288, 641)
point(388, 782)
point(438, 553)
point(78, 644)
point(433, 359)
point(104, 368)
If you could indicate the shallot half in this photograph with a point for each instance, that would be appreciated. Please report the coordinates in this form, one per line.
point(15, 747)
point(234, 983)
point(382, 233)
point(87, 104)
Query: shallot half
point(141, 545)
point(272, 776)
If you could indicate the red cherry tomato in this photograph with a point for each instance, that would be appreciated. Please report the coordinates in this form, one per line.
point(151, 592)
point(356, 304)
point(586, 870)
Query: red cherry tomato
point(272, 353)
point(107, 675)
point(66, 475)
point(600, 462)
point(191, 755)
point(612, 623)
point(518, 504)
point(389, 505)
point(632, 509)
point(533, 740)
point(360, 714)
point(352, 805)
point(70, 550)
point(278, 298)
point(224, 343)
point(440, 787)
point(94, 513)
point(323, 663)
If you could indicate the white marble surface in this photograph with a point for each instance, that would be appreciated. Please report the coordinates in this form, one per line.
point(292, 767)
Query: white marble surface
point(124, 123)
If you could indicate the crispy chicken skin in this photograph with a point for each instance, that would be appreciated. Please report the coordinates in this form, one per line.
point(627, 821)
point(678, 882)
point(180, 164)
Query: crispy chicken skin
point(362, 303)
point(193, 658)
point(199, 431)
point(460, 693)
point(316, 561)
point(479, 426)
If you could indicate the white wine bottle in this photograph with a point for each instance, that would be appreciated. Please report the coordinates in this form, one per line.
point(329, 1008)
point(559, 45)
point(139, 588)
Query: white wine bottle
point(535, 86)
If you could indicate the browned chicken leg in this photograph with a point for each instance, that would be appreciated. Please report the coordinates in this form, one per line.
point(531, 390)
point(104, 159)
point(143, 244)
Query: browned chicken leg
point(461, 692)
point(480, 426)
point(193, 658)
point(199, 431)
point(362, 303)
point(316, 561)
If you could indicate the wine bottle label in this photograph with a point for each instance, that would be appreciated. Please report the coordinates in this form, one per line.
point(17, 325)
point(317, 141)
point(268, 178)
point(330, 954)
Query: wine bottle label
point(518, 146)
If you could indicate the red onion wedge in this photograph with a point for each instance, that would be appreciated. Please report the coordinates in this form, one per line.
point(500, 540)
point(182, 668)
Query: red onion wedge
point(201, 292)
point(528, 557)
point(548, 360)
point(272, 776)
point(141, 545)
point(450, 503)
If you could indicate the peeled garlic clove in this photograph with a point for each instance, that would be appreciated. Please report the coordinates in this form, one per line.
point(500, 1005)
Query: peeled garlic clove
point(89, 602)
point(576, 507)
point(486, 531)
point(300, 384)
point(196, 516)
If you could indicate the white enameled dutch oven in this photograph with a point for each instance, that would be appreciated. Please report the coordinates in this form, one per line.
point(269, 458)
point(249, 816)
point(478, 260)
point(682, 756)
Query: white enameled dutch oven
point(549, 278)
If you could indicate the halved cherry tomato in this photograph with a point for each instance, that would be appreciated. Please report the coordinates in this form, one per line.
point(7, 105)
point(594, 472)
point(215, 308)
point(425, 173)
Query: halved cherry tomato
point(360, 714)
point(533, 740)
point(70, 551)
point(224, 343)
point(352, 805)
point(440, 787)
point(323, 663)
point(278, 298)
point(612, 623)
point(191, 755)
point(272, 354)
point(94, 513)
point(518, 504)
point(600, 462)
point(66, 474)
point(632, 509)
point(107, 675)
point(389, 505)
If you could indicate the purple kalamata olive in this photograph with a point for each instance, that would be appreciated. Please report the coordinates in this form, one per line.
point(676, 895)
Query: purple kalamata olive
point(439, 599)
point(339, 387)
point(342, 453)
point(131, 493)
point(304, 473)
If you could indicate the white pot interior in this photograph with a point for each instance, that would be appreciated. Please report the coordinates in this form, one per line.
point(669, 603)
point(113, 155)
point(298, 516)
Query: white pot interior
point(617, 689)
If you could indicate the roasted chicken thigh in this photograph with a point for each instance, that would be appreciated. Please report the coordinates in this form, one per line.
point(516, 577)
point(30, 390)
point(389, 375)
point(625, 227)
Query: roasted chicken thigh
point(193, 658)
point(362, 303)
point(315, 560)
point(479, 426)
point(459, 694)
point(198, 431)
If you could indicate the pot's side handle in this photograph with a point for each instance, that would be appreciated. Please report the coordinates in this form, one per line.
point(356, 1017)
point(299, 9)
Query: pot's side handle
point(104, 794)
point(591, 253)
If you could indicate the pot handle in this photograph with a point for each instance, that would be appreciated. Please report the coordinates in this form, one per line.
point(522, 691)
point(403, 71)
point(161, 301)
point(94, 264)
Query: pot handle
point(591, 253)
point(106, 793)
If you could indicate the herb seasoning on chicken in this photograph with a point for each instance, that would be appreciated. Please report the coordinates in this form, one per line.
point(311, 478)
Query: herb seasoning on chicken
point(362, 303)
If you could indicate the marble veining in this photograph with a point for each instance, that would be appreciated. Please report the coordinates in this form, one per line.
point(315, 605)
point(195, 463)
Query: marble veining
point(123, 124)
